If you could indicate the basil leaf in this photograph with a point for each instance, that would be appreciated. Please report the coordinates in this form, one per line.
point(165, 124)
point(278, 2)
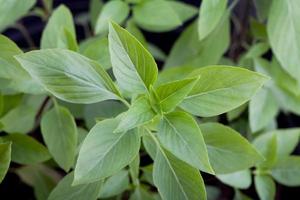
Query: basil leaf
point(262, 8)
point(133, 66)
point(160, 15)
point(18, 79)
point(287, 140)
point(139, 113)
point(265, 187)
point(173, 74)
point(179, 181)
point(116, 10)
point(102, 110)
point(266, 144)
point(96, 49)
point(21, 119)
point(263, 108)
point(136, 32)
point(200, 53)
point(110, 152)
point(179, 133)
point(171, 94)
point(95, 7)
point(141, 194)
point(74, 78)
point(238, 179)
point(5, 153)
point(283, 34)
point(211, 13)
point(26, 150)
point(59, 29)
point(65, 191)
point(114, 185)
point(287, 170)
point(60, 135)
point(228, 151)
point(41, 178)
point(11, 11)
point(234, 87)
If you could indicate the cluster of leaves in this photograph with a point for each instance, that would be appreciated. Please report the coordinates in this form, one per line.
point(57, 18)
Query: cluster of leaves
point(127, 111)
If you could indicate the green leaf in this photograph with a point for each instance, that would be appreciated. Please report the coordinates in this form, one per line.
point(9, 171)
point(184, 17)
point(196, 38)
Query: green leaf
point(213, 192)
point(102, 110)
point(221, 89)
point(160, 15)
point(11, 11)
point(228, 151)
point(1, 104)
point(239, 179)
point(139, 113)
point(283, 31)
point(25, 149)
point(5, 153)
point(95, 7)
point(10, 102)
point(97, 49)
point(147, 172)
point(75, 78)
point(179, 133)
point(115, 10)
point(265, 187)
point(237, 112)
point(285, 88)
point(60, 23)
point(18, 80)
point(179, 181)
point(257, 50)
point(103, 153)
point(115, 185)
point(266, 144)
point(287, 171)
point(41, 178)
point(134, 170)
point(262, 8)
point(211, 13)
point(60, 135)
point(65, 191)
point(173, 74)
point(157, 53)
point(21, 119)
point(263, 108)
point(136, 32)
point(133, 66)
point(258, 29)
point(171, 94)
point(287, 140)
point(188, 50)
point(141, 194)
point(150, 146)
point(240, 196)
point(184, 11)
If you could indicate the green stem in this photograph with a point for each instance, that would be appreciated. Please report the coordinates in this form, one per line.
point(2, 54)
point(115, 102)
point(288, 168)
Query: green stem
point(124, 101)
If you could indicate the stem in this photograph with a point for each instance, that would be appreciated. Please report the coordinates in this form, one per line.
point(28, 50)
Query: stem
point(124, 101)
point(47, 9)
point(42, 108)
point(232, 5)
point(26, 35)
point(38, 116)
